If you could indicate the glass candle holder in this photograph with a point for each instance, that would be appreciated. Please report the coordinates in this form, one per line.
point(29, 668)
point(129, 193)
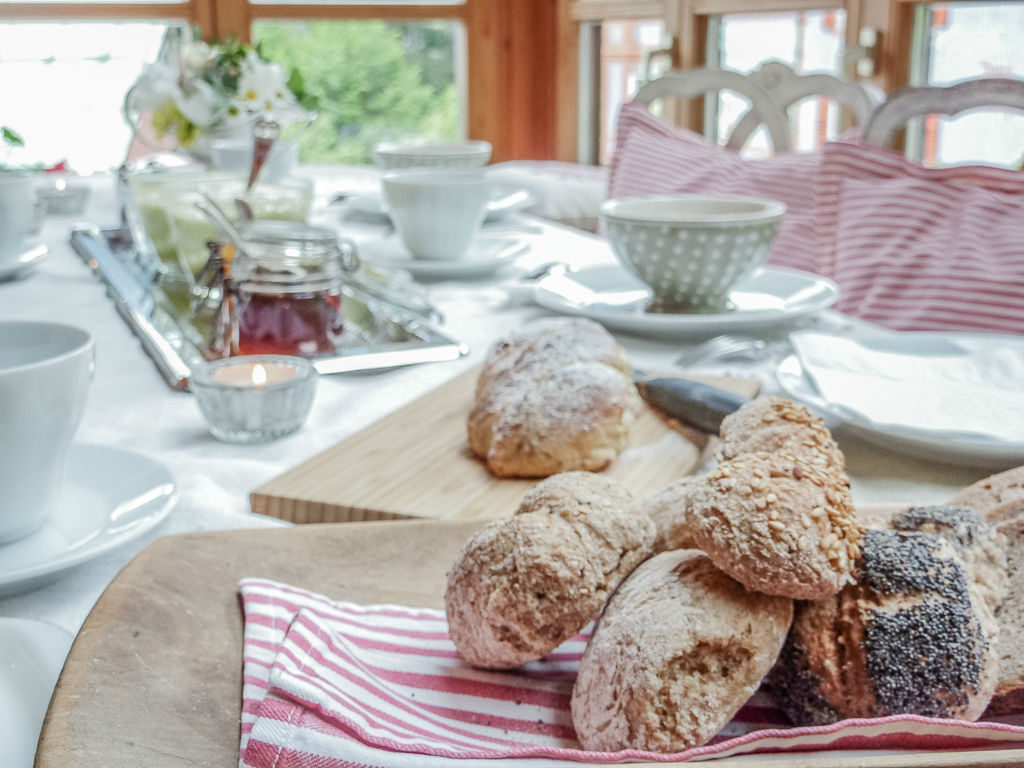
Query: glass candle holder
point(256, 398)
point(63, 195)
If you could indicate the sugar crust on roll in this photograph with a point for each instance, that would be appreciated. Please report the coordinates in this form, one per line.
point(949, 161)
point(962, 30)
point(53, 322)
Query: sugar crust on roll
point(557, 396)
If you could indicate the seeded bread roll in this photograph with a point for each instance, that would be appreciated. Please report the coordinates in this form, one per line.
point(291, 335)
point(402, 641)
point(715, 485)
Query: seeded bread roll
point(555, 397)
point(776, 425)
point(996, 498)
point(548, 344)
point(679, 649)
point(667, 510)
point(778, 524)
point(913, 636)
point(522, 586)
point(1009, 695)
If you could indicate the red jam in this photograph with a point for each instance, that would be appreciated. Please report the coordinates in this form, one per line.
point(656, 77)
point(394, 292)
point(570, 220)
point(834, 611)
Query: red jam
point(304, 324)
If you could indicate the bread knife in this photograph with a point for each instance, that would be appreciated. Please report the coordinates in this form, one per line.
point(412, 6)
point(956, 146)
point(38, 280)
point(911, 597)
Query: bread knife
point(692, 402)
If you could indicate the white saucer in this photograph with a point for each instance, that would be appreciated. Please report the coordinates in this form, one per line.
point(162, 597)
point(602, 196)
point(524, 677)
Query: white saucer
point(32, 654)
point(486, 254)
point(110, 496)
point(618, 300)
point(931, 446)
point(505, 200)
point(34, 254)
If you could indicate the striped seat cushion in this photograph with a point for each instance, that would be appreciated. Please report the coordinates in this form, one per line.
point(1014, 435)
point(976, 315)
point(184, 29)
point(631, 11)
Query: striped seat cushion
point(917, 248)
point(655, 158)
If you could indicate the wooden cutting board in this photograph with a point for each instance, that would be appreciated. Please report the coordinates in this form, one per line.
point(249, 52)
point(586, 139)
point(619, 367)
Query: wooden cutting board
point(415, 463)
point(154, 678)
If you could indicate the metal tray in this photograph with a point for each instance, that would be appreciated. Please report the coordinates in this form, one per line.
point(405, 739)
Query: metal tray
point(379, 333)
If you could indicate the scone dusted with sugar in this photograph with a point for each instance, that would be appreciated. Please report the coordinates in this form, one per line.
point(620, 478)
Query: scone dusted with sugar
point(679, 649)
point(916, 634)
point(555, 396)
point(997, 498)
point(667, 510)
point(522, 586)
point(778, 523)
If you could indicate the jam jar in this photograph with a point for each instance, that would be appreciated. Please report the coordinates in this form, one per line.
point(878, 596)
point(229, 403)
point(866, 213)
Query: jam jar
point(287, 289)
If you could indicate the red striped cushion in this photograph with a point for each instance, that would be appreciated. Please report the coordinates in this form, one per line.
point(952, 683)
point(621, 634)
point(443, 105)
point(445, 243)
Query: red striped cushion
point(655, 158)
point(916, 248)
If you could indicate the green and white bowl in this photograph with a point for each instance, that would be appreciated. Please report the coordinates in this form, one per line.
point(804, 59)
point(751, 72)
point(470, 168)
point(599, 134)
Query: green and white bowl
point(690, 249)
point(456, 154)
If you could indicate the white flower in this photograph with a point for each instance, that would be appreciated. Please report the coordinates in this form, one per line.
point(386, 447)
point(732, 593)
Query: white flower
point(195, 56)
point(262, 87)
point(199, 102)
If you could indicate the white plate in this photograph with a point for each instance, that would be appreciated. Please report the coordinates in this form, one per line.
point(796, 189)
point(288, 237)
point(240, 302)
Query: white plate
point(33, 255)
point(505, 200)
point(31, 656)
point(110, 496)
point(618, 300)
point(932, 446)
point(486, 254)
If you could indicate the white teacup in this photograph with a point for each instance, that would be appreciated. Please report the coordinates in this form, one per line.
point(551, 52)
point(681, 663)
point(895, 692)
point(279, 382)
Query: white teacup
point(45, 370)
point(17, 215)
point(436, 212)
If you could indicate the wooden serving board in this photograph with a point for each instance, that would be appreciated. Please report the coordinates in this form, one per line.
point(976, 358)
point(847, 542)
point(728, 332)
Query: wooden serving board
point(154, 678)
point(415, 463)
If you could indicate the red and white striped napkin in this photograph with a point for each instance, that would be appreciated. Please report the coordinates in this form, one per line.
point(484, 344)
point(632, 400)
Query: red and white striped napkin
point(330, 684)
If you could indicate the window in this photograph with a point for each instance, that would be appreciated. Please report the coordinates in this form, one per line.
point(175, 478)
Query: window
point(623, 66)
point(962, 40)
point(376, 81)
point(49, 71)
point(808, 41)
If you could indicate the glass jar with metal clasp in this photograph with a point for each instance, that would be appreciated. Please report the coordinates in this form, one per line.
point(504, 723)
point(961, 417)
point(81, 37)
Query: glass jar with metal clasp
point(285, 289)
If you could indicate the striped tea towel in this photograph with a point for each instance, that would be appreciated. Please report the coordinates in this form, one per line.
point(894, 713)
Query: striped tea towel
point(330, 684)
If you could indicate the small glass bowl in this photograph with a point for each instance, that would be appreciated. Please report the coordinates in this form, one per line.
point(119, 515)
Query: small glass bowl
point(254, 398)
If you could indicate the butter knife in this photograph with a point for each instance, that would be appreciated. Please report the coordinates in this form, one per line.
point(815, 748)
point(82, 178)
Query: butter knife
point(133, 302)
point(692, 402)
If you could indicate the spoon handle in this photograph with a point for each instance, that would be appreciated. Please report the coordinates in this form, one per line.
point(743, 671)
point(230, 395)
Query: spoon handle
point(264, 135)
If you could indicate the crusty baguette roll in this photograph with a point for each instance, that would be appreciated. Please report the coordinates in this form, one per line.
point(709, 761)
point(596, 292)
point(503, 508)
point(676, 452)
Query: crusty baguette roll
point(667, 510)
point(915, 635)
point(778, 524)
point(555, 396)
point(1009, 695)
point(776, 425)
point(996, 498)
point(522, 586)
point(679, 649)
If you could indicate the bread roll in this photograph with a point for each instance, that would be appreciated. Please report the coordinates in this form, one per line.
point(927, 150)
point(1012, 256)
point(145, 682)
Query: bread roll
point(996, 498)
point(1009, 693)
point(554, 397)
point(667, 510)
point(778, 524)
point(548, 344)
point(777, 425)
point(679, 649)
point(914, 636)
point(522, 586)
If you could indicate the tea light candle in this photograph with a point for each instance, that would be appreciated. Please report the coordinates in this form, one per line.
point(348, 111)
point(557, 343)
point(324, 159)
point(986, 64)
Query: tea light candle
point(62, 195)
point(254, 399)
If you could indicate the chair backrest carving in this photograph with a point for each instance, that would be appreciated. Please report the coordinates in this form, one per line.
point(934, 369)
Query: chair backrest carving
point(787, 88)
point(771, 90)
point(697, 82)
point(909, 103)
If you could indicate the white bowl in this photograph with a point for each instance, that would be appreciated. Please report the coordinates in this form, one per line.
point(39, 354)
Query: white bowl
point(691, 249)
point(461, 154)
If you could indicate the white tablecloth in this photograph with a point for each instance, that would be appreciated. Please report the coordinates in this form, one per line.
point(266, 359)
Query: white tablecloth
point(130, 406)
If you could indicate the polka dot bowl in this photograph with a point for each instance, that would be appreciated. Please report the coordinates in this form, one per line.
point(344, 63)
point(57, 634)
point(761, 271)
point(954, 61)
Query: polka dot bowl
point(690, 250)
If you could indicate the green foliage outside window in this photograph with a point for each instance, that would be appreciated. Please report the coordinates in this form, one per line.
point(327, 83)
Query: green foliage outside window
point(373, 81)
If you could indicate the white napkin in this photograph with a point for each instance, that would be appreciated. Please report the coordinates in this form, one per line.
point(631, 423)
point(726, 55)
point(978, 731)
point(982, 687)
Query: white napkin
point(954, 387)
